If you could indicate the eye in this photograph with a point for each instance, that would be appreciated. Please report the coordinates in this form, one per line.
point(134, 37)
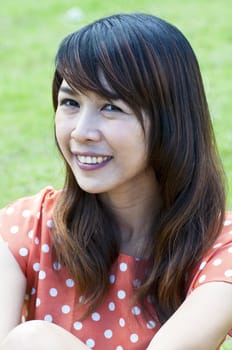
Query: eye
point(68, 102)
point(111, 108)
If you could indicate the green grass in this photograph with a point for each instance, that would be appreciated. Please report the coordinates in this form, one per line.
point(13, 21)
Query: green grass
point(227, 345)
point(30, 33)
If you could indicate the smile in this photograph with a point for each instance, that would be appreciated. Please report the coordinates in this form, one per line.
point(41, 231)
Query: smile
point(93, 160)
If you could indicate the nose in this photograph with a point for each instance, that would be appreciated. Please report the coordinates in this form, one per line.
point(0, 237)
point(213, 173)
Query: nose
point(87, 127)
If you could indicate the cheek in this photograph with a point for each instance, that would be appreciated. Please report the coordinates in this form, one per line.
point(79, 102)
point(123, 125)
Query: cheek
point(61, 134)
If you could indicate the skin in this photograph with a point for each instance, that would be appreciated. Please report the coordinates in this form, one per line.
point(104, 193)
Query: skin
point(89, 125)
point(12, 279)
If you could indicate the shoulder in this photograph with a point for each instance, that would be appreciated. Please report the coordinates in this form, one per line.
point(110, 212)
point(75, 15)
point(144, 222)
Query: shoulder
point(216, 265)
point(25, 221)
point(31, 205)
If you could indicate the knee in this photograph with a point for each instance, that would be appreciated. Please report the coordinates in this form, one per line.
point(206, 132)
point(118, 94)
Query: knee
point(26, 336)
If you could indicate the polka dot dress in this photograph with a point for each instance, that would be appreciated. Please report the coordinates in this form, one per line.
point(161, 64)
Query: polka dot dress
point(52, 295)
point(217, 263)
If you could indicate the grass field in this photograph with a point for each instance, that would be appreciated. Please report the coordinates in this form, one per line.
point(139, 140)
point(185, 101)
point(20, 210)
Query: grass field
point(30, 33)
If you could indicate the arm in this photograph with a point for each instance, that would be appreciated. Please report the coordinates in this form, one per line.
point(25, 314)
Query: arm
point(200, 323)
point(16, 336)
point(12, 290)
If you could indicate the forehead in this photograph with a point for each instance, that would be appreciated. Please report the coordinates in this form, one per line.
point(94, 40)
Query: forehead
point(65, 85)
point(108, 91)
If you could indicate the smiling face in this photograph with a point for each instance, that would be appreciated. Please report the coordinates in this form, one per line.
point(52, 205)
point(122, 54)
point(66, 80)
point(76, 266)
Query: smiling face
point(102, 141)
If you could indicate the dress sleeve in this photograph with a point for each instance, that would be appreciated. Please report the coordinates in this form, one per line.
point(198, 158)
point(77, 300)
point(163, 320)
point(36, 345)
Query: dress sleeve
point(20, 224)
point(216, 266)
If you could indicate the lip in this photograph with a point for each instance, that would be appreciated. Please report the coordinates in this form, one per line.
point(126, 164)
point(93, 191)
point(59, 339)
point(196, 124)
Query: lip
point(92, 166)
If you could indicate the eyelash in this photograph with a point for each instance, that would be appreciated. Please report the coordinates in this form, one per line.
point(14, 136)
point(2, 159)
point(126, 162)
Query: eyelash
point(113, 108)
point(68, 102)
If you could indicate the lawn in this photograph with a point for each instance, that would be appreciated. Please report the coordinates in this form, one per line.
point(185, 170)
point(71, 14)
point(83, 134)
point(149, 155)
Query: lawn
point(30, 33)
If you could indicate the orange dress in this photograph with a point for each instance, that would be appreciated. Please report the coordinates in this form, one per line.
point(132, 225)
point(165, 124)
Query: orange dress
point(26, 225)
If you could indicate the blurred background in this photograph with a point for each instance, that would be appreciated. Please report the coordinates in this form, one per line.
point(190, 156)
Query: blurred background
point(30, 32)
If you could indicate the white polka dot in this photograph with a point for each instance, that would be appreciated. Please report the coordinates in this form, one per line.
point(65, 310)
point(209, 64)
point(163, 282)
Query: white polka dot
point(90, 343)
point(36, 240)
point(65, 309)
point(38, 215)
point(228, 273)
point(45, 248)
point(50, 223)
point(33, 291)
point(14, 229)
point(9, 210)
point(108, 333)
point(121, 294)
point(30, 234)
point(42, 275)
point(230, 250)
point(23, 252)
point(134, 338)
point(111, 306)
point(112, 279)
point(217, 262)
point(56, 266)
point(123, 267)
point(151, 324)
point(119, 347)
point(137, 283)
point(38, 302)
point(202, 279)
point(78, 325)
point(26, 213)
point(70, 283)
point(96, 316)
point(135, 310)
point(48, 318)
point(53, 292)
point(227, 222)
point(202, 265)
point(217, 245)
point(122, 322)
point(36, 266)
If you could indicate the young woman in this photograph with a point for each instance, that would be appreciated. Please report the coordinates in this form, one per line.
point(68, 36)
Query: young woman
point(135, 252)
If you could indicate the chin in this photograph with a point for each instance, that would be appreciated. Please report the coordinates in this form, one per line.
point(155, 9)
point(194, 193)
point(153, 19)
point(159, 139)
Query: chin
point(92, 189)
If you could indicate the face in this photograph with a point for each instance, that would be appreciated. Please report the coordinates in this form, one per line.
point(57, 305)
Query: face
point(102, 141)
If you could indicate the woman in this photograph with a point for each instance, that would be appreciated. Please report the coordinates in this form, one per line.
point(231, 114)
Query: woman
point(123, 256)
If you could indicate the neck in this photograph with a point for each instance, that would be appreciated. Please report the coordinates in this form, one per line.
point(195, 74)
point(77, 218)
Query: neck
point(135, 210)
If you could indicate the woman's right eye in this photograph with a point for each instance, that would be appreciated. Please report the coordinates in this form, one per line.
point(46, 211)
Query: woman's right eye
point(68, 102)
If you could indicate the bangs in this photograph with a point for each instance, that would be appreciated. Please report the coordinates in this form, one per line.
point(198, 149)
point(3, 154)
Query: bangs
point(100, 58)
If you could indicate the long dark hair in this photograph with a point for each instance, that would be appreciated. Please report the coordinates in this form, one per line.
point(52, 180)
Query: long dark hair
point(149, 64)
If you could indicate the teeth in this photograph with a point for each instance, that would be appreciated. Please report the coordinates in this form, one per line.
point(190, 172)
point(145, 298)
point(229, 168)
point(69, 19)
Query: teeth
point(92, 160)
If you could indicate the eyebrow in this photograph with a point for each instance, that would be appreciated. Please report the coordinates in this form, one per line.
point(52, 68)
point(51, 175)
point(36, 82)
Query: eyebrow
point(67, 90)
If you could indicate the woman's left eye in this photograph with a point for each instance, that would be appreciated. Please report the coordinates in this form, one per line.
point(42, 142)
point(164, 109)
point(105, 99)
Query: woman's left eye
point(68, 102)
point(111, 108)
